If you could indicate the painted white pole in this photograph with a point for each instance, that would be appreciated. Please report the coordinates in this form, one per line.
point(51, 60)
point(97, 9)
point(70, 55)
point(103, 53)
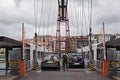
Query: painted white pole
point(104, 56)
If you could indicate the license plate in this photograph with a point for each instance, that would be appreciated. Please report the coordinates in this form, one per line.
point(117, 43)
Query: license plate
point(76, 63)
point(50, 62)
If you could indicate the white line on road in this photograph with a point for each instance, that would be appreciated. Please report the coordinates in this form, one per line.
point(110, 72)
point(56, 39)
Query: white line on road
point(87, 71)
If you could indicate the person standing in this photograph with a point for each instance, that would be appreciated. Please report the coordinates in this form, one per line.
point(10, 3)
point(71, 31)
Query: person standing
point(65, 62)
point(39, 64)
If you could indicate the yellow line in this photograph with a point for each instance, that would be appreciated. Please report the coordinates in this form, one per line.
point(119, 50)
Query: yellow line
point(114, 62)
point(11, 62)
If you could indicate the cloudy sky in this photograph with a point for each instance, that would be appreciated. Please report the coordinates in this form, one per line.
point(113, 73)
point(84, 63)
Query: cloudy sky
point(42, 14)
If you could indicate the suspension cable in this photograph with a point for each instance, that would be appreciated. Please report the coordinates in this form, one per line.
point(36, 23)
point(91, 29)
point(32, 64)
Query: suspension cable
point(41, 12)
point(76, 17)
point(77, 22)
point(49, 11)
point(48, 20)
point(90, 33)
point(84, 21)
point(72, 23)
point(88, 10)
point(90, 25)
point(90, 13)
point(44, 24)
point(82, 8)
point(36, 14)
point(52, 23)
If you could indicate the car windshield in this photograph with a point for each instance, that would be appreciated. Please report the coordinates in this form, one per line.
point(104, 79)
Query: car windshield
point(76, 56)
point(50, 57)
point(47, 58)
point(55, 57)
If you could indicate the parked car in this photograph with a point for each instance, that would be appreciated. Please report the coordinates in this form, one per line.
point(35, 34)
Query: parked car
point(76, 60)
point(50, 61)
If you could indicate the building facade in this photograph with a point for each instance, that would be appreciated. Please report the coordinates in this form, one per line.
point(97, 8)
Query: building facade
point(76, 42)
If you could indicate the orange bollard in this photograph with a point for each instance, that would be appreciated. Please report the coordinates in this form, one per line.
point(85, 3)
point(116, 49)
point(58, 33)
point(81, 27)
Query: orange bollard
point(22, 68)
point(105, 68)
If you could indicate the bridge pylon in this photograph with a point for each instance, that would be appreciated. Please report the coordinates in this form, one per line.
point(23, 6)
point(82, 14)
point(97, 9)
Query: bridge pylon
point(62, 18)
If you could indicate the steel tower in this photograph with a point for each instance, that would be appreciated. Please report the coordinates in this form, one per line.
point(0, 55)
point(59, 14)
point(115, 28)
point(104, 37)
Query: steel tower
point(62, 18)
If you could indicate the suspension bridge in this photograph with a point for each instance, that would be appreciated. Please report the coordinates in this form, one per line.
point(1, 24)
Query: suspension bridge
point(61, 26)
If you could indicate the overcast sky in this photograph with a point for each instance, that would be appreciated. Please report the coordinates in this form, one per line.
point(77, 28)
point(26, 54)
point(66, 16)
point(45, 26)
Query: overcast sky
point(15, 12)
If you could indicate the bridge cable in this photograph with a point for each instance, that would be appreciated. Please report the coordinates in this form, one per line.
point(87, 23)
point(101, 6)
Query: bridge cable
point(71, 17)
point(36, 14)
point(90, 17)
point(41, 12)
point(76, 17)
point(49, 11)
point(48, 20)
point(52, 21)
point(84, 17)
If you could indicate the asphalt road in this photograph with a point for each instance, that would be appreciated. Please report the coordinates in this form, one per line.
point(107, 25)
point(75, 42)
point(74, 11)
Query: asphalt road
point(71, 74)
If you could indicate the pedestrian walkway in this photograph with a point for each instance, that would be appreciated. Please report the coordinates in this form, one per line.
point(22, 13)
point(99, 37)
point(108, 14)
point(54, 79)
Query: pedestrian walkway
point(71, 74)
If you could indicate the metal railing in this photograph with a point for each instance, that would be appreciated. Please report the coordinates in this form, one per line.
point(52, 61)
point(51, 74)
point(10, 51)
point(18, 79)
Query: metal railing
point(98, 65)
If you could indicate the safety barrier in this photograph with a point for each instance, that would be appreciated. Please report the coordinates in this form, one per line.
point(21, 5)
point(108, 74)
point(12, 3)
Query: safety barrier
point(91, 66)
point(22, 68)
point(114, 64)
point(114, 68)
point(35, 66)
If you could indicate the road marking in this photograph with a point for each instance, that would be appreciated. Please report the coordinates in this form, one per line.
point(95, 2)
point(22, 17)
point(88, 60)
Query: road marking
point(116, 77)
point(39, 71)
point(87, 71)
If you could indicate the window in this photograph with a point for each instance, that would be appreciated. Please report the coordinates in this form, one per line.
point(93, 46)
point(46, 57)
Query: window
point(99, 54)
point(28, 54)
